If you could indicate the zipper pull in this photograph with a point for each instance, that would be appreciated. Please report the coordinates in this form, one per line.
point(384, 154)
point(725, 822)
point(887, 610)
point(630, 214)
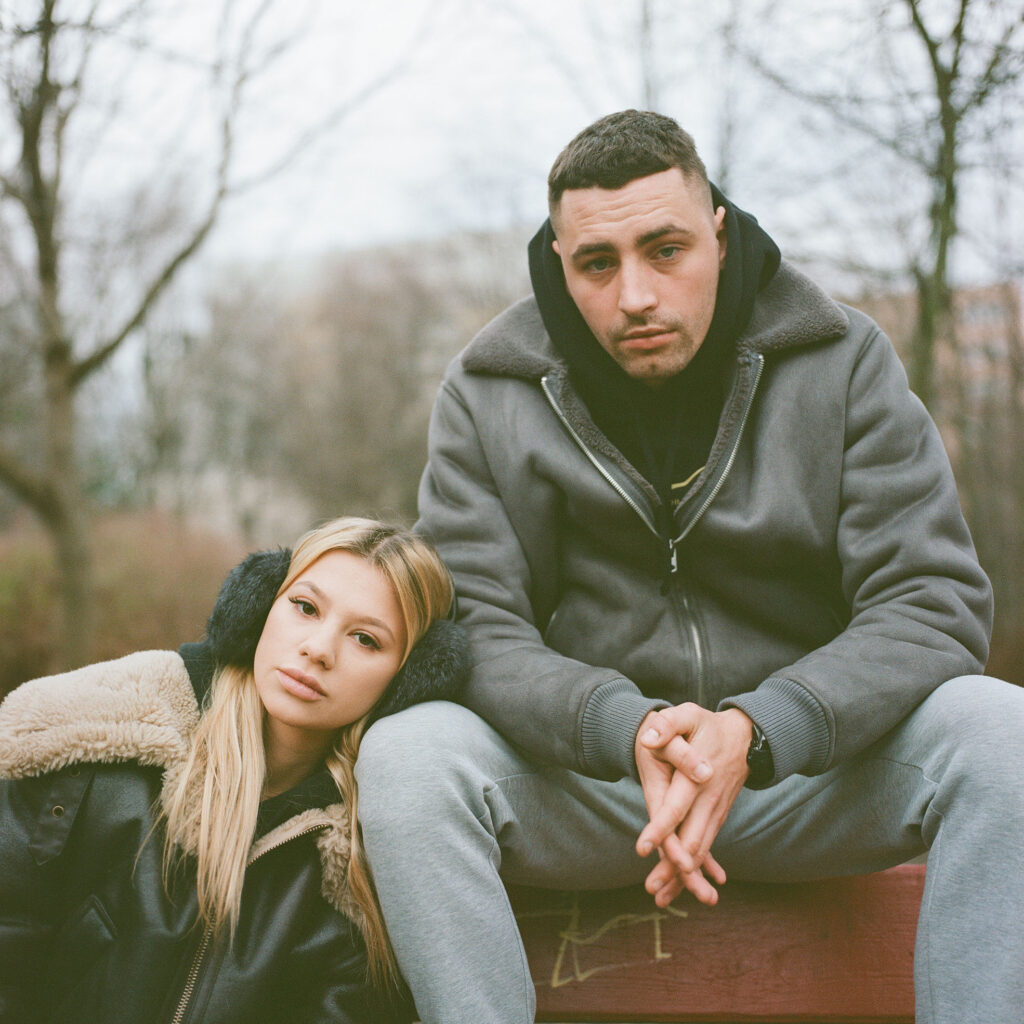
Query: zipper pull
point(673, 558)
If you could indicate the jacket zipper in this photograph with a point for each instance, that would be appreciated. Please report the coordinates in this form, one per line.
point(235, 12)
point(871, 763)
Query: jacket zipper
point(204, 943)
point(696, 644)
point(193, 975)
point(689, 617)
point(619, 489)
point(674, 544)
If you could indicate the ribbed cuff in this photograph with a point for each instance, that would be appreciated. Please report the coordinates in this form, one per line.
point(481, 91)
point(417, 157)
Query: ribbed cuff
point(793, 723)
point(610, 723)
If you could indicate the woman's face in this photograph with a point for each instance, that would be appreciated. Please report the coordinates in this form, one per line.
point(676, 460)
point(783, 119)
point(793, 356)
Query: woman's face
point(331, 644)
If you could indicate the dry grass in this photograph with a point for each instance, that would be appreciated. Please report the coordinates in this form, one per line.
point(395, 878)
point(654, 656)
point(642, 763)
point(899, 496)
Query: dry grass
point(156, 581)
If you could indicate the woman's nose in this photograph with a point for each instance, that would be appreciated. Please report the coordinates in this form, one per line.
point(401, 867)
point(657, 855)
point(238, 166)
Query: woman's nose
point(318, 645)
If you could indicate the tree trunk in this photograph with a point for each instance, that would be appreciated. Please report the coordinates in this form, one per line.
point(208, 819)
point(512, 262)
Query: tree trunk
point(74, 567)
point(66, 515)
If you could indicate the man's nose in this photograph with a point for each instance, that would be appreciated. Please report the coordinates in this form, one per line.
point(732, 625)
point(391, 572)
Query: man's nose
point(636, 291)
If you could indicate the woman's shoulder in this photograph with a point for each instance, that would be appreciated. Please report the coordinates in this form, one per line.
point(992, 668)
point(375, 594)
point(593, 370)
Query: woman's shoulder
point(140, 707)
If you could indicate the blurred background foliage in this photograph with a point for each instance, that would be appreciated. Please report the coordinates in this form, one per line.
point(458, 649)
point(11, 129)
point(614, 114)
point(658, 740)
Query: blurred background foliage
point(240, 240)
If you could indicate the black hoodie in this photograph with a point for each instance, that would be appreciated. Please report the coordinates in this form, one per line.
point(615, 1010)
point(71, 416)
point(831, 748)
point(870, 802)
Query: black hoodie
point(665, 433)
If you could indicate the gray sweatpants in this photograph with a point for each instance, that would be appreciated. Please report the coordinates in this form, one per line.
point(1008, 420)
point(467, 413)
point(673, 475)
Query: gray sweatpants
point(449, 810)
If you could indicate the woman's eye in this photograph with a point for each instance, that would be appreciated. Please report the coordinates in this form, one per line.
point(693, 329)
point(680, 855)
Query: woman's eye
point(304, 606)
point(365, 640)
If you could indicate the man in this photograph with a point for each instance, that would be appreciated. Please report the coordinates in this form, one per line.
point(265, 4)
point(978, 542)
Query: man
point(724, 610)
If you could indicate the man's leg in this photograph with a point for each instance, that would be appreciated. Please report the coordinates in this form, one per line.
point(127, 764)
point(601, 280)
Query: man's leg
point(449, 810)
point(446, 805)
point(949, 781)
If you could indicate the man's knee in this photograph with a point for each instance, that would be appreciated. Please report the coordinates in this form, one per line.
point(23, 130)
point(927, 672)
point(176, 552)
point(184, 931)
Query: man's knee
point(976, 727)
point(402, 759)
point(979, 711)
point(411, 743)
point(423, 762)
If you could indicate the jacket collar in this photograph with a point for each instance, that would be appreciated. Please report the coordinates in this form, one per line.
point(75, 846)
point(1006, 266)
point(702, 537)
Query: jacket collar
point(139, 708)
point(790, 311)
point(142, 708)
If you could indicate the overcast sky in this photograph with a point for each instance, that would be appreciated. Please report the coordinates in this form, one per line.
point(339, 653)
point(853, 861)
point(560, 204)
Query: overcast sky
point(487, 94)
point(474, 99)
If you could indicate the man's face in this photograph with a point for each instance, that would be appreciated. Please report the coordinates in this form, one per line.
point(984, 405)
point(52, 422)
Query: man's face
point(641, 263)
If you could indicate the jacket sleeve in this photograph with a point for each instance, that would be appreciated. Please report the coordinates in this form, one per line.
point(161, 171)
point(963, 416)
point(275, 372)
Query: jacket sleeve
point(920, 604)
point(502, 551)
point(30, 896)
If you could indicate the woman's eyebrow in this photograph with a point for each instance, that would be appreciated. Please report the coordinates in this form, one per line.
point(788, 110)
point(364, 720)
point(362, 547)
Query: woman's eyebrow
point(370, 620)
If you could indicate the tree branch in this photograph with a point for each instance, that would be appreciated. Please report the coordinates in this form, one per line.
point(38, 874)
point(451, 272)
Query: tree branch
point(342, 110)
point(836, 105)
point(994, 76)
point(222, 190)
point(28, 486)
point(10, 188)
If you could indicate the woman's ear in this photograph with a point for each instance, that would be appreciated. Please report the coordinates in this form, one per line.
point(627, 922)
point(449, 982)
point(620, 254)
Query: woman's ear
point(243, 604)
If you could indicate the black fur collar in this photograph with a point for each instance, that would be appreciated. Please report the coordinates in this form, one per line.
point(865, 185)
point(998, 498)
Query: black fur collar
point(437, 667)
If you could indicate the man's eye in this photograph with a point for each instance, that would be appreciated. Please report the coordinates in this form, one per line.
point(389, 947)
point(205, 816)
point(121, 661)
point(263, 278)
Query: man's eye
point(666, 252)
point(365, 640)
point(598, 266)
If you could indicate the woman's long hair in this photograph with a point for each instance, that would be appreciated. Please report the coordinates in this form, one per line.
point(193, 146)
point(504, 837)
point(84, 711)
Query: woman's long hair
point(211, 807)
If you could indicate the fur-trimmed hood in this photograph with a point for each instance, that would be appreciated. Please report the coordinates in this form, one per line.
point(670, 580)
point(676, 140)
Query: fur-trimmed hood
point(142, 708)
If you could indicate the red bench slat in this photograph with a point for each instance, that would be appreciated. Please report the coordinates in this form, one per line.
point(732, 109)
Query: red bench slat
point(839, 950)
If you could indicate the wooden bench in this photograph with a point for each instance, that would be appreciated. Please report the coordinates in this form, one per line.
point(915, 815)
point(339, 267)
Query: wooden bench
point(829, 951)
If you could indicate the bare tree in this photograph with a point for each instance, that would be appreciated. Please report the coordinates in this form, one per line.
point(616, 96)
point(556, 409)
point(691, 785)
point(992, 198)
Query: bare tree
point(918, 82)
point(86, 278)
point(310, 393)
point(636, 53)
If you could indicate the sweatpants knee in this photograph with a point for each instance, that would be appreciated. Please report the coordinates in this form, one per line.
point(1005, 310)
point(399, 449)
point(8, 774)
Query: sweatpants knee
point(976, 754)
point(982, 717)
point(423, 765)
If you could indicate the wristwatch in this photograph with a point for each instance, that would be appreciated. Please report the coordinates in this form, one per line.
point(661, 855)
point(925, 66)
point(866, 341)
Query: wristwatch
point(759, 761)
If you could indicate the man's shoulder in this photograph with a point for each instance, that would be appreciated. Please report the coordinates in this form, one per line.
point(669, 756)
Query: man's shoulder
point(793, 310)
point(514, 344)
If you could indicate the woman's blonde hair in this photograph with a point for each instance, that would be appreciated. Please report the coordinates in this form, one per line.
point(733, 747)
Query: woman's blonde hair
point(211, 808)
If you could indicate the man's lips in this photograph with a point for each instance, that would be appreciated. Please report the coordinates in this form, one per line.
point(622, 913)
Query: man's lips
point(300, 684)
point(645, 337)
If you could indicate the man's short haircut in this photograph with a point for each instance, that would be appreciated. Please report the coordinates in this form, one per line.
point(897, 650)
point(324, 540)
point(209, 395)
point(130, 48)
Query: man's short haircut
point(620, 147)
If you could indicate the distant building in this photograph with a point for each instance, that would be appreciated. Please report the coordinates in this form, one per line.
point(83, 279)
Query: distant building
point(988, 328)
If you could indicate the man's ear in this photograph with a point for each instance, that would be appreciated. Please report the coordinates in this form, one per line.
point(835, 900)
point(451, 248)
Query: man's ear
point(554, 245)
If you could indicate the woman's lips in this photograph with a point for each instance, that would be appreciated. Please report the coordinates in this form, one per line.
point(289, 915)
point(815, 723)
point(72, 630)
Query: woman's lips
point(300, 685)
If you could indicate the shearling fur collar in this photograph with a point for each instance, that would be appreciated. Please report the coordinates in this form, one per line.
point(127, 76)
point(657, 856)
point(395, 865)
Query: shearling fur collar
point(138, 708)
point(790, 311)
point(141, 708)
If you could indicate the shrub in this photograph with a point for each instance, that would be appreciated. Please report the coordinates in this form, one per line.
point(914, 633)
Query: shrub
point(156, 580)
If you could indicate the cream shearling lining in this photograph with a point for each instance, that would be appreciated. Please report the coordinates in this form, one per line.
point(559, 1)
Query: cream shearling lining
point(142, 708)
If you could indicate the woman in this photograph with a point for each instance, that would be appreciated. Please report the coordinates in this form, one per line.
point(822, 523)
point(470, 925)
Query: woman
point(173, 854)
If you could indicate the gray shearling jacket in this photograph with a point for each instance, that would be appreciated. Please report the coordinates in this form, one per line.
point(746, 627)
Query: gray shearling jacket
point(824, 579)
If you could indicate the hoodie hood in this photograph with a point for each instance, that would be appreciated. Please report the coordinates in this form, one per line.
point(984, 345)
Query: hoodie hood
point(667, 433)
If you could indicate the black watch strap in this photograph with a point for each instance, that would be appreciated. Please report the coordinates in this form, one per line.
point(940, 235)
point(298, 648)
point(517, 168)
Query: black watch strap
point(759, 761)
